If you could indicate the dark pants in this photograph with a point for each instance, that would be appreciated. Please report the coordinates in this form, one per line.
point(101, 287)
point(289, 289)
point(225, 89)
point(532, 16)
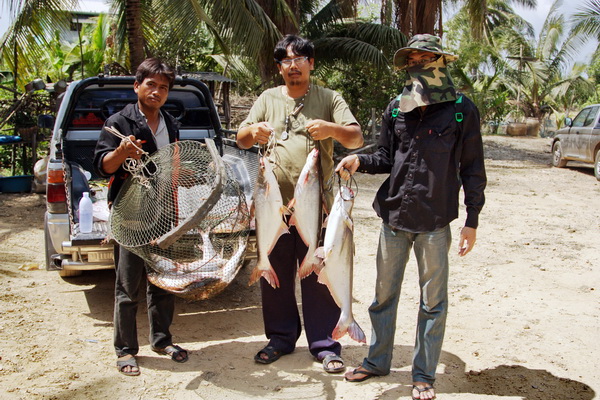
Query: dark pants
point(280, 311)
point(131, 275)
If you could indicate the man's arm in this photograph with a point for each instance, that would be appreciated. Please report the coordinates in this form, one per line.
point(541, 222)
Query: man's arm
point(473, 178)
point(250, 135)
point(113, 160)
point(349, 136)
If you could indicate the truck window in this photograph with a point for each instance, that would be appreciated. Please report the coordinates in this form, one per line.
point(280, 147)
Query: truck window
point(591, 118)
point(95, 105)
point(579, 120)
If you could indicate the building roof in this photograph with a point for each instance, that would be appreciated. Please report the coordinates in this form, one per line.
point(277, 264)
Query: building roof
point(208, 76)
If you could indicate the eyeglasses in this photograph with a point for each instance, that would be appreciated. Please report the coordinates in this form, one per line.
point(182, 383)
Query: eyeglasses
point(412, 63)
point(298, 61)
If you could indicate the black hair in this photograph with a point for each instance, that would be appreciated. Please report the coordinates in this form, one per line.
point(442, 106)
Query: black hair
point(154, 66)
point(300, 47)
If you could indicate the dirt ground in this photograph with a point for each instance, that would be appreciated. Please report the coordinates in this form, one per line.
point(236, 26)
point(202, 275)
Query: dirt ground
point(523, 323)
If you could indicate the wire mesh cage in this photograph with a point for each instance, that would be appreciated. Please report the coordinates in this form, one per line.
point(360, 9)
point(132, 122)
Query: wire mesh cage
point(185, 214)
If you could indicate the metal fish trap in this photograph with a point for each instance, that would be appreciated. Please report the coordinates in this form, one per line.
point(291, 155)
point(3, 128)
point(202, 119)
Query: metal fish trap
point(185, 214)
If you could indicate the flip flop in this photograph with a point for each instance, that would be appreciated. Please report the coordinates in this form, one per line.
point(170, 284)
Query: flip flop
point(174, 351)
point(130, 361)
point(421, 390)
point(356, 371)
point(272, 355)
point(329, 358)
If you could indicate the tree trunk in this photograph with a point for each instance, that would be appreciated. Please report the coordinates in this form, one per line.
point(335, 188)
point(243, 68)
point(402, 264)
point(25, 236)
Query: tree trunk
point(285, 25)
point(419, 16)
point(135, 37)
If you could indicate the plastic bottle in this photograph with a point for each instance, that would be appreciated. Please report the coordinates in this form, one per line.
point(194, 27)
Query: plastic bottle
point(86, 213)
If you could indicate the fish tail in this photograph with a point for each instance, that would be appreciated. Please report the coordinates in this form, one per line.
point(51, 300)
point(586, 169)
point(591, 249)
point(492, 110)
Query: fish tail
point(356, 332)
point(271, 278)
point(254, 276)
point(306, 268)
point(269, 275)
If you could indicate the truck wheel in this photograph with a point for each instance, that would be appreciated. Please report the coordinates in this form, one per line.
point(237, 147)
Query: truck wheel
point(597, 165)
point(557, 155)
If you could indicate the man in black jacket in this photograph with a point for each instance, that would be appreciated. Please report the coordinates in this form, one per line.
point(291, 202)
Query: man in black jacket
point(148, 128)
point(430, 144)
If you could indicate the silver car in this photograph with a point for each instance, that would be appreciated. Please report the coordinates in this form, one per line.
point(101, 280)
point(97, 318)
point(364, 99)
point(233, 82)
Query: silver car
point(579, 140)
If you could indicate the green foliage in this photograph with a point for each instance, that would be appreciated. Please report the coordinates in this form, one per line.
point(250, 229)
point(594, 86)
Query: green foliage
point(24, 123)
point(364, 88)
point(191, 54)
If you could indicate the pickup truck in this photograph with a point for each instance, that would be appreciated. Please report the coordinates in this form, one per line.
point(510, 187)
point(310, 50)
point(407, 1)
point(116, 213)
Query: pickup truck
point(579, 140)
point(83, 109)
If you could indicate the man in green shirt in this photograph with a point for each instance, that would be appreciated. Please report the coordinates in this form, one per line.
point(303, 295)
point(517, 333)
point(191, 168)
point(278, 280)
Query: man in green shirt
point(301, 116)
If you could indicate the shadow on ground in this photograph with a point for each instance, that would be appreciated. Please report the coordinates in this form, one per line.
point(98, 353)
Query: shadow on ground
point(298, 376)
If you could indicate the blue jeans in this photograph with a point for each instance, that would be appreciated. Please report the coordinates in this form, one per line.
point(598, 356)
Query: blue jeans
point(431, 251)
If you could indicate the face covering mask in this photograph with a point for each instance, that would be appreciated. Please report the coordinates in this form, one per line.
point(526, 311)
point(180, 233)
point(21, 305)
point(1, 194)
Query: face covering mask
point(427, 84)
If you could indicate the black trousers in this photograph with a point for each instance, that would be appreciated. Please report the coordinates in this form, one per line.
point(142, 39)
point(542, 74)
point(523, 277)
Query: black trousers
point(130, 278)
point(280, 310)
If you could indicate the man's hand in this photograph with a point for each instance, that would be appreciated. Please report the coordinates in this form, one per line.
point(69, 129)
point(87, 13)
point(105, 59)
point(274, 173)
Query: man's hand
point(113, 160)
point(319, 129)
point(261, 132)
point(128, 149)
point(347, 166)
point(467, 240)
point(258, 133)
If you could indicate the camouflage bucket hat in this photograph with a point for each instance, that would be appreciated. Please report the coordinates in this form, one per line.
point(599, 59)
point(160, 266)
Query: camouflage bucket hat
point(421, 42)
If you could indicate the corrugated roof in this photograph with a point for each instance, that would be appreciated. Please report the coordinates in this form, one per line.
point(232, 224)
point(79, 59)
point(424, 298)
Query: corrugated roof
point(208, 76)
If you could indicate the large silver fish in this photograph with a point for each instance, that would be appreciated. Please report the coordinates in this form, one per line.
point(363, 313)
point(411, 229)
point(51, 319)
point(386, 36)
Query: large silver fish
point(307, 211)
point(337, 256)
point(268, 212)
point(198, 283)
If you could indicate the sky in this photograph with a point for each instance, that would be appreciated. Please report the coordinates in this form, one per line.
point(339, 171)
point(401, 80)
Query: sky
point(85, 5)
point(535, 17)
point(538, 16)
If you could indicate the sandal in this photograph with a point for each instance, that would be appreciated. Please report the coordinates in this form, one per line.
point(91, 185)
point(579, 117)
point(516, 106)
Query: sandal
point(177, 353)
point(350, 376)
point(272, 355)
point(128, 361)
point(421, 390)
point(333, 358)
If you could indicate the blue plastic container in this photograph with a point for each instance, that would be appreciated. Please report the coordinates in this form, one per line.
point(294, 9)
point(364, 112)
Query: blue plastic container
point(16, 184)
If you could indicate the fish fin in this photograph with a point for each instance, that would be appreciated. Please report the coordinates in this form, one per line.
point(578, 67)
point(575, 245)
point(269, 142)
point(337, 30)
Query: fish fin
point(291, 203)
point(338, 332)
point(254, 276)
point(269, 275)
point(292, 220)
point(320, 260)
point(323, 279)
point(271, 278)
point(348, 222)
point(320, 254)
point(356, 332)
point(353, 330)
point(285, 210)
point(283, 229)
point(306, 268)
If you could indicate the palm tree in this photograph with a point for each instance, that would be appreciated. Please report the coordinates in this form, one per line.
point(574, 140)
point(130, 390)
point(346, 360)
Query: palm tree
point(482, 63)
point(26, 39)
point(586, 22)
point(485, 14)
point(418, 16)
point(537, 81)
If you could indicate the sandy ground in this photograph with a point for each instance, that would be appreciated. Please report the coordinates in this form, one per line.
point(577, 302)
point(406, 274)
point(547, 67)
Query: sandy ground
point(523, 323)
